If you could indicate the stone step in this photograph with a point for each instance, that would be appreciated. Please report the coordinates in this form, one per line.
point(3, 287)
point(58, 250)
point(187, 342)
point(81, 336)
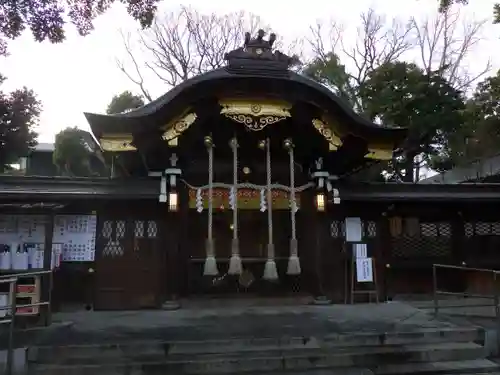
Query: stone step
point(279, 361)
point(476, 366)
point(148, 348)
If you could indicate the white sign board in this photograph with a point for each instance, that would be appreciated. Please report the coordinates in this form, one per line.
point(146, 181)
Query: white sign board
point(364, 270)
point(77, 234)
point(353, 231)
point(360, 250)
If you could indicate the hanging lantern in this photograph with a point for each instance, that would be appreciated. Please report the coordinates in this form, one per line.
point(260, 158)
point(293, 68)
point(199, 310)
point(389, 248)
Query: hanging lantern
point(324, 185)
point(168, 184)
point(173, 201)
point(320, 202)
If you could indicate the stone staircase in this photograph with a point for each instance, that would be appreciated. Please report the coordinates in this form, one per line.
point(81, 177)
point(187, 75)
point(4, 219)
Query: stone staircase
point(426, 351)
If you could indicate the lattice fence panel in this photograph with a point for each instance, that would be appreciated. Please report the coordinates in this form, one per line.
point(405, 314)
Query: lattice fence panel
point(337, 229)
point(434, 240)
point(114, 246)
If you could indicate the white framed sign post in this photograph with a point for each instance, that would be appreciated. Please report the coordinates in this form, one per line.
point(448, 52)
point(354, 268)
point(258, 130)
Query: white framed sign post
point(362, 265)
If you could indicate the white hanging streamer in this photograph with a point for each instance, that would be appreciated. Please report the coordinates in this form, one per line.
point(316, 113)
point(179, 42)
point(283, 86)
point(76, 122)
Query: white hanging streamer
point(199, 201)
point(235, 267)
point(270, 270)
point(210, 267)
point(163, 190)
point(294, 261)
point(263, 204)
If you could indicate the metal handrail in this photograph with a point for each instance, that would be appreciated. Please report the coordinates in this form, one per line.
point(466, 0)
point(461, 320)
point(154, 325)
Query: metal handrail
point(437, 292)
point(12, 279)
point(495, 296)
point(26, 274)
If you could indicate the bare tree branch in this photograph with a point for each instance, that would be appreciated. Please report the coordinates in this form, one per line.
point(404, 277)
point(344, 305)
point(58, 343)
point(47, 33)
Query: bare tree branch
point(444, 46)
point(377, 43)
point(138, 79)
point(183, 44)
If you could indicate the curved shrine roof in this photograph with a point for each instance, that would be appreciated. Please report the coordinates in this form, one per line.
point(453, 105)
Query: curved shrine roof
point(251, 72)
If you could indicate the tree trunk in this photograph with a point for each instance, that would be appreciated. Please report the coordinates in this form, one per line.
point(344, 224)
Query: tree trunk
point(409, 167)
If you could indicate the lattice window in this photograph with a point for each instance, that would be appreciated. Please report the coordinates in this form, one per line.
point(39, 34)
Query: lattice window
point(444, 229)
point(483, 229)
point(495, 229)
point(469, 229)
point(335, 230)
point(114, 246)
point(139, 229)
point(429, 230)
point(434, 240)
point(152, 229)
point(107, 229)
point(370, 229)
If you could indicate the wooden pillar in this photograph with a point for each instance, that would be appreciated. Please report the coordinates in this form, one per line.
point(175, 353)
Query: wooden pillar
point(46, 279)
point(183, 243)
point(383, 255)
point(458, 250)
point(308, 244)
point(174, 229)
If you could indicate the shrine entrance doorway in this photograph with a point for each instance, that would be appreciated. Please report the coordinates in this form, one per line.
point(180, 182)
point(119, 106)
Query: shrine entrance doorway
point(253, 238)
point(129, 263)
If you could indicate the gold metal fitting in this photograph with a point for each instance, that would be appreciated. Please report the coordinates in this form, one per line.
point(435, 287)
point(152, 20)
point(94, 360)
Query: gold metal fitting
point(288, 144)
point(208, 141)
point(262, 144)
point(233, 142)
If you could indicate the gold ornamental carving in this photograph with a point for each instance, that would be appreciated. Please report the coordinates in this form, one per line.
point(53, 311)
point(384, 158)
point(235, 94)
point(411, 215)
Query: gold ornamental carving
point(117, 142)
point(175, 128)
point(379, 153)
point(334, 141)
point(255, 115)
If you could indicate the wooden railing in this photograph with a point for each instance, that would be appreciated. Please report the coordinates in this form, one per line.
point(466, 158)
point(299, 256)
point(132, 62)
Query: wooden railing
point(12, 307)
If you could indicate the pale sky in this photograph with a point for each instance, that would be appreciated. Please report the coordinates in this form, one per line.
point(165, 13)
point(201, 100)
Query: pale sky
point(81, 75)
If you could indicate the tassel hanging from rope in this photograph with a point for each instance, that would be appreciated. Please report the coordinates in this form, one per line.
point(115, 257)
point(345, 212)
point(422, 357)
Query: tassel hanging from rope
point(293, 261)
point(270, 271)
point(210, 268)
point(235, 261)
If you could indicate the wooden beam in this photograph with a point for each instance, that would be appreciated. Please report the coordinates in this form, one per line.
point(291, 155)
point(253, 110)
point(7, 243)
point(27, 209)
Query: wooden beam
point(47, 279)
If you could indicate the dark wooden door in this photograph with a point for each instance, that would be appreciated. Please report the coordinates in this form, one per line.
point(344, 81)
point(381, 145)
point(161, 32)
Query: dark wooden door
point(252, 233)
point(129, 263)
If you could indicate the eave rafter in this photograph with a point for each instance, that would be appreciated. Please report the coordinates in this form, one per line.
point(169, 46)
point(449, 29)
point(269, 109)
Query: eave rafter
point(175, 128)
point(117, 142)
point(124, 142)
point(330, 131)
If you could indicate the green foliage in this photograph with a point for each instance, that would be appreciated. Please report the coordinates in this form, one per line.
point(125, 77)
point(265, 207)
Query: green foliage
point(72, 152)
point(330, 72)
point(446, 4)
point(124, 102)
point(482, 121)
point(19, 113)
point(46, 19)
point(401, 94)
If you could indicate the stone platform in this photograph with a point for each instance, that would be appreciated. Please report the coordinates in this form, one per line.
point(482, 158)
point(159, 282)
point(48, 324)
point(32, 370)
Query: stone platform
point(230, 320)
point(392, 338)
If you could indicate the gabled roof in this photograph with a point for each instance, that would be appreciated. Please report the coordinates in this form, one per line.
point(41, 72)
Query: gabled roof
point(475, 171)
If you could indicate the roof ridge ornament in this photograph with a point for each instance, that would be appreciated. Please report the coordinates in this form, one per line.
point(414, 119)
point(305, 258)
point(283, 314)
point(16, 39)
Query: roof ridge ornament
point(257, 54)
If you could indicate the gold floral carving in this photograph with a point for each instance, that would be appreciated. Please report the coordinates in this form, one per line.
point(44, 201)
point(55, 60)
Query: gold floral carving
point(255, 115)
point(334, 141)
point(175, 128)
point(117, 142)
point(379, 153)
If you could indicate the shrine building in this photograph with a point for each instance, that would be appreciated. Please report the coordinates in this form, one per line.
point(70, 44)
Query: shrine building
point(239, 182)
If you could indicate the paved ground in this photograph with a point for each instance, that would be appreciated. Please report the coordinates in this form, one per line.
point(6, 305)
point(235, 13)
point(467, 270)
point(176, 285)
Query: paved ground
point(226, 322)
point(214, 323)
